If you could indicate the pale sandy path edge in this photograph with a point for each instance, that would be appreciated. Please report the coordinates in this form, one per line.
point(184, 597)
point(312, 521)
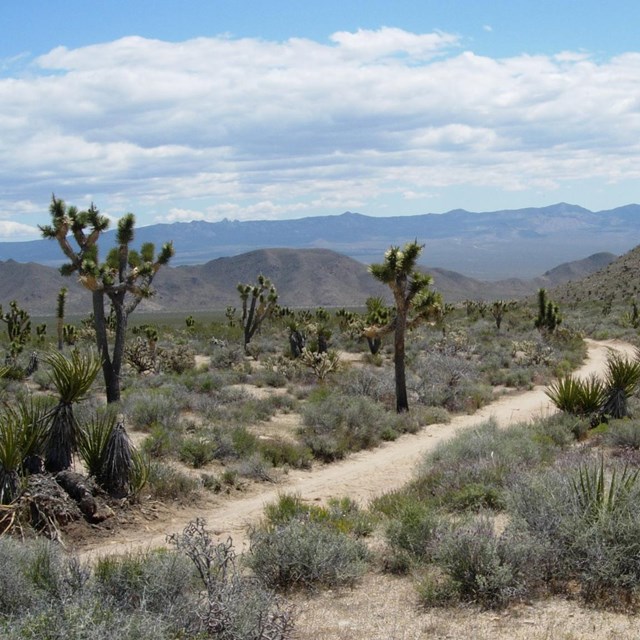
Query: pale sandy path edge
point(361, 476)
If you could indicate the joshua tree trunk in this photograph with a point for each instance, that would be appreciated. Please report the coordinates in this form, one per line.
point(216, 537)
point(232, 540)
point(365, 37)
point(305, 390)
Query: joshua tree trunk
point(402, 401)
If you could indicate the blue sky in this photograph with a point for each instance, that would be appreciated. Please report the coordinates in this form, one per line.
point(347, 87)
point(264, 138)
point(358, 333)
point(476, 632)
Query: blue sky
point(284, 109)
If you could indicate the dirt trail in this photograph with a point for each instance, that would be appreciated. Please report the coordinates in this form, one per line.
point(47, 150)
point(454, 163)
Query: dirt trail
point(361, 476)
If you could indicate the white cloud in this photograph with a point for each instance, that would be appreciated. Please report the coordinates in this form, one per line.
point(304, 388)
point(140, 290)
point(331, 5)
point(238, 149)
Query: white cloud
point(262, 129)
point(12, 231)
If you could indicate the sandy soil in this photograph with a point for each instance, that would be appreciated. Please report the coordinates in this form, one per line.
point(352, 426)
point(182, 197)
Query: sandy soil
point(361, 476)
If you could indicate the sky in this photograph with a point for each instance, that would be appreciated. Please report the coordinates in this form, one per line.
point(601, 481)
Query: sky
point(262, 110)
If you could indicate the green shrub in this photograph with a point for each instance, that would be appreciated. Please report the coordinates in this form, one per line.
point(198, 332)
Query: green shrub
point(152, 408)
point(166, 482)
point(336, 425)
point(305, 554)
point(197, 452)
point(487, 569)
point(411, 533)
point(624, 434)
point(587, 519)
point(162, 441)
point(472, 469)
point(282, 453)
point(158, 581)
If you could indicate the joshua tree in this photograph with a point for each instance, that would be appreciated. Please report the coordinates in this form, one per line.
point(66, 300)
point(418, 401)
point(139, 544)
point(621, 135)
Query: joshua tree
point(18, 330)
point(498, 310)
point(259, 301)
point(548, 313)
point(412, 295)
point(62, 299)
point(124, 278)
point(378, 314)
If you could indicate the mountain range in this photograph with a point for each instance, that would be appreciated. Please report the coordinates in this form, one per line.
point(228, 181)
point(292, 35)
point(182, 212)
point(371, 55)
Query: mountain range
point(303, 277)
point(496, 245)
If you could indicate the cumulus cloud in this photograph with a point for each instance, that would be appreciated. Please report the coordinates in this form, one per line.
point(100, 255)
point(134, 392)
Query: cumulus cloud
point(246, 128)
point(11, 231)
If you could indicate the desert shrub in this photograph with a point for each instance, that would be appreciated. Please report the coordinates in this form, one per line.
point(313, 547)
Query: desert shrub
point(197, 452)
point(167, 483)
point(34, 573)
point(255, 467)
point(449, 381)
point(203, 382)
point(244, 442)
point(336, 424)
point(587, 518)
point(87, 618)
point(162, 440)
point(377, 385)
point(157, 581)
point(624, 434)
point(236, 606)
point(410, 535)
point(269, 377)
point(487, 569)
point(282, 453)
point(194, 591)
point(153, 407)
point(305, 554)
point(226, 356)
point(290, 506)
point(472, 470)
point(342, 514)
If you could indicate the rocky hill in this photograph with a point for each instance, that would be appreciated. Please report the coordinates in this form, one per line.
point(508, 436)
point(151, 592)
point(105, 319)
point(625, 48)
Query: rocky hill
point(619, 281)
point(303, 277)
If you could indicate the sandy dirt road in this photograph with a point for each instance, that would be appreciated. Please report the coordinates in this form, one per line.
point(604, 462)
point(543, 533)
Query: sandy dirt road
point(361, 476)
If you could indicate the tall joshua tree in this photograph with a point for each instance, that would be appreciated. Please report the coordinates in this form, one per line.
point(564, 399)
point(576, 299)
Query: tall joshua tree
point(415, 302)
point(123, 279)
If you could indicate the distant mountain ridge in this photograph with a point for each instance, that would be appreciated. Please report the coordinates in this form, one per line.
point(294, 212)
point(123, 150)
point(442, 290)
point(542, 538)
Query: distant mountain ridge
point(303, 277)
point(519, 243)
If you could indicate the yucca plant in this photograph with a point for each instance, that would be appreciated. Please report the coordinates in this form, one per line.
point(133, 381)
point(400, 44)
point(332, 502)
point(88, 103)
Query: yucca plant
point(31, 415)
point(72, 378)
point(593, 395)
point(22, 434)
point(10, 457)
point(140, 470)
point(92, 441)
point(578, 397)
point(622, 379)
point(595, 498)
point(116, 470)
point(566, 394)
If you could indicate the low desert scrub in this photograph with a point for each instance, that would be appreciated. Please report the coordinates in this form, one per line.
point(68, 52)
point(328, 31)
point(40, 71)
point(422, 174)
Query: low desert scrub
point(484, 568)
point(153, 407)
point(193, 591)
point(587, 516)
point(305, 554)
point(472, 471)
point(341, 514)
point(165, 482)
point(301, 545)
point(335, 424)
point(410, 533)
point(283, 453)
point(624, 434)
